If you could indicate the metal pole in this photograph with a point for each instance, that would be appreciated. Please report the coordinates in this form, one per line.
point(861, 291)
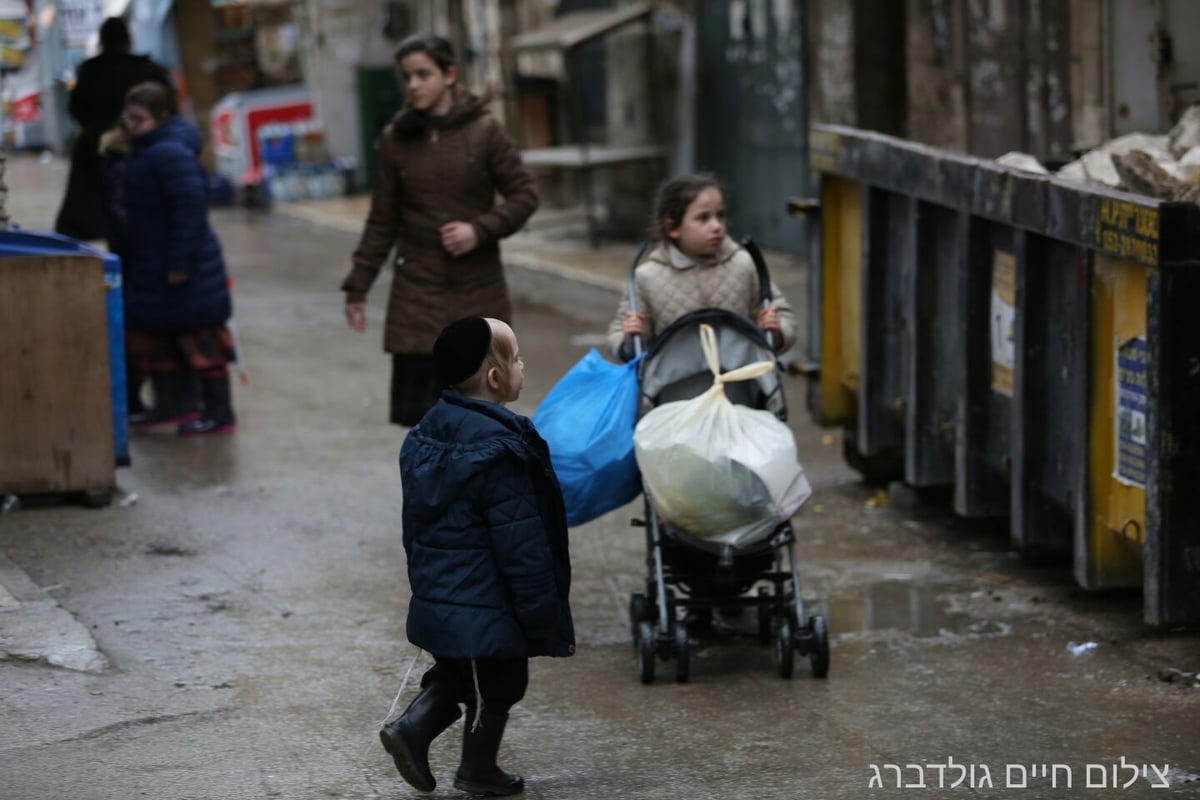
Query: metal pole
point(795, 570)
point(664, 620)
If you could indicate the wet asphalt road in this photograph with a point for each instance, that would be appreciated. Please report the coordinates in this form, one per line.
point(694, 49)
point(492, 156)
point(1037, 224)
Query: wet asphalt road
point(251, 605)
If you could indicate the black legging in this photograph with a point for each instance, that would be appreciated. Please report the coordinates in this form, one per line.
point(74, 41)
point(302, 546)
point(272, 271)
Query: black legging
point(502, 682)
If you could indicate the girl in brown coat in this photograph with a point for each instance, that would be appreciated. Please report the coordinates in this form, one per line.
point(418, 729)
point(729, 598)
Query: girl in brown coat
point(442, 161)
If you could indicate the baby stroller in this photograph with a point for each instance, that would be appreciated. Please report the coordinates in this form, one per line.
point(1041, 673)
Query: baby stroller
point(688, 577)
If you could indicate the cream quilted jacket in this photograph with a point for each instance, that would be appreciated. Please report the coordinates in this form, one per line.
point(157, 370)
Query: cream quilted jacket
point(670, 284)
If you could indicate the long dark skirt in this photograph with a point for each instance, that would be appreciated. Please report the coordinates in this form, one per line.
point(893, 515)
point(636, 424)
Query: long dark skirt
point(415, 389)
point(82, 214)
point(207, 350)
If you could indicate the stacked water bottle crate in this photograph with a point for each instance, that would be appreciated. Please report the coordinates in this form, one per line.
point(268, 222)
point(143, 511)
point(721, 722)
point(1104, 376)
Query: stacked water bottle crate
point(296, 162)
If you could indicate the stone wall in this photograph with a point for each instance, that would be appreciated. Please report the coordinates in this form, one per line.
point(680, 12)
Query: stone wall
point(344, 35)
point(936, 110)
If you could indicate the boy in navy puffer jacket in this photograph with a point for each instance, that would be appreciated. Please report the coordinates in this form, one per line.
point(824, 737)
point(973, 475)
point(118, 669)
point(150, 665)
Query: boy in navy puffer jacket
point(485, 532)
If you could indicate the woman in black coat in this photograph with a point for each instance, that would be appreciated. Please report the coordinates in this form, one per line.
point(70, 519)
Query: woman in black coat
point(485, 531)
point(96, 103)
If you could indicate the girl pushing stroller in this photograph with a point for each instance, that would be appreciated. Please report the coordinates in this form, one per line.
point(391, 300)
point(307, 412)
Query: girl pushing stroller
point(711, 316)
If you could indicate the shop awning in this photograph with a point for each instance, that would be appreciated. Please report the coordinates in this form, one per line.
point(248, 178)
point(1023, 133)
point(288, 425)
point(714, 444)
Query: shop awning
point(577, 27)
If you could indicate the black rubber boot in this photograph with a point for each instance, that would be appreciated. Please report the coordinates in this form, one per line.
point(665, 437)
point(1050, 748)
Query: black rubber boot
point(217, 416)
point(407, 738)
point(175, 401)
point(478, 773)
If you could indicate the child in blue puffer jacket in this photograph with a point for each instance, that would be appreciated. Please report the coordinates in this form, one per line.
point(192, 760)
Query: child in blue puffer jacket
point(485, 531)
point(176, 288)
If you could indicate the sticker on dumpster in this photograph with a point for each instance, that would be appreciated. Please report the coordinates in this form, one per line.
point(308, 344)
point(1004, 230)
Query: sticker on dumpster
point(1004, 317)
point(1131, 412)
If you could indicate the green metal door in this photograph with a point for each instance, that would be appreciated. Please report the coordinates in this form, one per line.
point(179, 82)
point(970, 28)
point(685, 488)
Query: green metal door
point(752, 115)
point(379, 98)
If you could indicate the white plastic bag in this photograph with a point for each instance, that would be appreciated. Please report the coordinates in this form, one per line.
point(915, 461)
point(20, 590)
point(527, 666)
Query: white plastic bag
point(724, 472)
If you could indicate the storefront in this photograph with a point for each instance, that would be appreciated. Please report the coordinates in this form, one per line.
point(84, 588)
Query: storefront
point(19, 111)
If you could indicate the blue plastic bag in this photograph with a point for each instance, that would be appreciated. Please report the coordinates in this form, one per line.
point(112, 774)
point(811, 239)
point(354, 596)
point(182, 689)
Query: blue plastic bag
point(587, 420)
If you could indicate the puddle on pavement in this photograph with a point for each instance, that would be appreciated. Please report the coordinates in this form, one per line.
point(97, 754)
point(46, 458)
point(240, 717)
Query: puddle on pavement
point(904, 605)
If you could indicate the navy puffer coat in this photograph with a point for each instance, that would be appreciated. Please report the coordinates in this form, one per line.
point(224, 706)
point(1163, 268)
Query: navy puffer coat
point(485, 530)
point(166, 209)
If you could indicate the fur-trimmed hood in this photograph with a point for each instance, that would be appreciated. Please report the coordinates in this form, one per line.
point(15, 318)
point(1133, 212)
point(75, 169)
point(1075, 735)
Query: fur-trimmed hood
point(412, 124)
point(115, 141)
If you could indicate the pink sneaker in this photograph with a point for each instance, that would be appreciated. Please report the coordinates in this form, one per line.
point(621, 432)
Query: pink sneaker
point(148, 420)
point(202, 426)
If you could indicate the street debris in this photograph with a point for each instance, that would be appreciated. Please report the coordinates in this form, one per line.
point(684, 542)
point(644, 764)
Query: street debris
point(878, 501)
point(10, 503)
point(167, 549)
point(1080, 649)
point(1173, 675)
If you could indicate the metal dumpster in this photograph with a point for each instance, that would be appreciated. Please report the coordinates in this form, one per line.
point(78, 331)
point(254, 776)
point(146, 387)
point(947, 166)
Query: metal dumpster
point(1031, 342)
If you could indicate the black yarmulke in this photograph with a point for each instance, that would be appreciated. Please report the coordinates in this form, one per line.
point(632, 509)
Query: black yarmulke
point(461, 348)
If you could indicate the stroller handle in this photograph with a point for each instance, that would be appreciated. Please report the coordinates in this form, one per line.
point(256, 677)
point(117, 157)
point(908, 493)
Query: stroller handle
point(764, 277)
point(760, 266)
point(637, 259)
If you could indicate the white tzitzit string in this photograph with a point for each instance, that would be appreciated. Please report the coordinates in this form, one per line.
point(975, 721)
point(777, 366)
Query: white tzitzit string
point(478, 698)
point(403, 686)
point(395, 702)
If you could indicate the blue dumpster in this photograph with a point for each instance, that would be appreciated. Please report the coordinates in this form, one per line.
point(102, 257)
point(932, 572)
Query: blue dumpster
point(14, 243)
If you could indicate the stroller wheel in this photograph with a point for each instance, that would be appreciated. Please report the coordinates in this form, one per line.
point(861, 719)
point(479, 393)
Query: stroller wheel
point(785, 653)
point(645, 652)
point(683, 667)
point(638, 610)
point(819, 657)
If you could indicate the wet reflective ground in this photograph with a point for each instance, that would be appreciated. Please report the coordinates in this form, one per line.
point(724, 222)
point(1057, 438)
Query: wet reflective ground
point(251, 604)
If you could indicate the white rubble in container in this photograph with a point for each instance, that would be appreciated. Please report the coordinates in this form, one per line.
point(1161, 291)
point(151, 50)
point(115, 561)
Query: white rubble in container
point(1185, 136)
point(1023, 162)
point(1095, 166)
point(1189, 166)
point(1163, 166)
point(1175, 170)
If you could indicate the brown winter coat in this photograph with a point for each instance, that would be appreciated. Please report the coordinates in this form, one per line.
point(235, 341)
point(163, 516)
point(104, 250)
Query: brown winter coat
point(428, 177)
